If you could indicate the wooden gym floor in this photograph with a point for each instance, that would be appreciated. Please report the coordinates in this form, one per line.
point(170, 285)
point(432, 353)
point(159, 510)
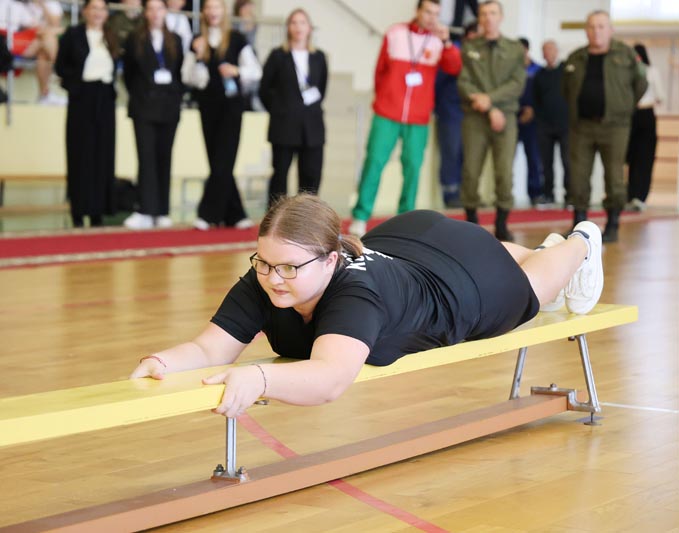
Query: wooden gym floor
point(72, 325)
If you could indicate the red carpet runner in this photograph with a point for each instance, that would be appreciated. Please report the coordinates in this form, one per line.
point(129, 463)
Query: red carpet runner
point(117, 243)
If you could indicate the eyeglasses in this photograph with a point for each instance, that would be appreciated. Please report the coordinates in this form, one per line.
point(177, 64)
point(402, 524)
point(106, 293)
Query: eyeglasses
point(284, 271)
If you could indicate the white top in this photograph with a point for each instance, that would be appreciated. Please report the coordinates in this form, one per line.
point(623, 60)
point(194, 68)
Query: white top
point(179, 24)
point(214, 37)
point(157, 40)
point(301, 59)
point(15, 15)
point(99, 64)
point(655, 93)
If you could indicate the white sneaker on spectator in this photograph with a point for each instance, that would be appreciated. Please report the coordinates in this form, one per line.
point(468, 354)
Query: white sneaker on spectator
point(201, 224)
point(560, 299)
point(163, 222)
point(358, 227)
point(244, 223)
point(138, 221)
point(584, 289)
point(52, 99)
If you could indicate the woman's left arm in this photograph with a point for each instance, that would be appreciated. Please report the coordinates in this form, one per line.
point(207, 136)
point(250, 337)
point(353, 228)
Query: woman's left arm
point(323, 78)
point(335, 362)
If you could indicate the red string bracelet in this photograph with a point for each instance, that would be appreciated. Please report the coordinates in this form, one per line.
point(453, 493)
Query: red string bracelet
point(153, 357)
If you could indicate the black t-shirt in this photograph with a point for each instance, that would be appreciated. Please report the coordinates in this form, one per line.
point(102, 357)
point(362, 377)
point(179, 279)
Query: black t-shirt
point(394, 306)
point(592, 99)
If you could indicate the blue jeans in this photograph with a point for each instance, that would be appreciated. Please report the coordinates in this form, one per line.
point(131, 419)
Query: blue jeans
point(449, 133)
point(528, 136)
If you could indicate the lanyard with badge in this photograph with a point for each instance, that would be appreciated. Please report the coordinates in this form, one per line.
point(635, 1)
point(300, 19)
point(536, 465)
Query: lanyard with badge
point(414, 78)
point(310, 93)
point(161, 76)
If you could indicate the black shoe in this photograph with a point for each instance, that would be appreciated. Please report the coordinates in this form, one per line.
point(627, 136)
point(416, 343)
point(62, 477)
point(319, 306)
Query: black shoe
point(610, 233)
point(472, 216)
point(501, 231)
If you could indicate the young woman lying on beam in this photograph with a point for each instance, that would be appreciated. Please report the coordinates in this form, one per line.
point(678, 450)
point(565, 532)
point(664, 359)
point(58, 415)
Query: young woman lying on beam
point(418, 281)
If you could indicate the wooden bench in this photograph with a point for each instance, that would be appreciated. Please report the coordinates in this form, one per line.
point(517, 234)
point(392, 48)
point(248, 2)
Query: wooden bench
point(54, 414)
point(60, 178)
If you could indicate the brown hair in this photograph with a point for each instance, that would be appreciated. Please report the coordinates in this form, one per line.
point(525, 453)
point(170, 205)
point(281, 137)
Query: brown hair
point(238, 5)
point(307, 220)
point(143, 31)
point(420, 2)
point(286, 45)
point(226, 33)
point(110, 38)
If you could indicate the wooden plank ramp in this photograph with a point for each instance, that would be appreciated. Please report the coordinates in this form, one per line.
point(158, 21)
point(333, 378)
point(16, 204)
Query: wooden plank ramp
point(65, 412)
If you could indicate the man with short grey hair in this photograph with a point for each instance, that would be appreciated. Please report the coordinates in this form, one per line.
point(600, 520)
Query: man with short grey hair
point(602, 83)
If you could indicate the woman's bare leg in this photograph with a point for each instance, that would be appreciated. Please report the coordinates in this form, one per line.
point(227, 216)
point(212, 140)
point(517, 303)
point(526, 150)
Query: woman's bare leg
point(549, 270)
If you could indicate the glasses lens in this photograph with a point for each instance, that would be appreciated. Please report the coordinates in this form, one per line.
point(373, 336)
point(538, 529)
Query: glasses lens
point(287, 271)
point(260, 266)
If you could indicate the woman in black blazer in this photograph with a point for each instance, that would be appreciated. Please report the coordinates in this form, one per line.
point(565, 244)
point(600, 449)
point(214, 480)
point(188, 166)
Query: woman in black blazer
point(86, 65)
point(152, 70)
point(292, 90)
point(220, 61)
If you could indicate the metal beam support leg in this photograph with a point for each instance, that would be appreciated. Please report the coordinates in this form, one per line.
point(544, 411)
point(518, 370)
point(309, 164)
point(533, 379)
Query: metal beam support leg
point(518, 372)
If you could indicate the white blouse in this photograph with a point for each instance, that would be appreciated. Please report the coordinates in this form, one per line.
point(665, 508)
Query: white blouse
point(99, 63)
point(301, 59)
point(655, 93)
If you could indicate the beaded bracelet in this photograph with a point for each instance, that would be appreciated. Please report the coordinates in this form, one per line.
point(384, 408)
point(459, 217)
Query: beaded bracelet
point(264, 376)
point(153, 357)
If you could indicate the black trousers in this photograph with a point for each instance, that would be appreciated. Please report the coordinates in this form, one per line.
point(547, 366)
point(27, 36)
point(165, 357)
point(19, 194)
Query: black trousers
point(154, 153)
point(309, 168)
point(221, 121)
point(641, 153)
point(547, 138)
point(90, 151)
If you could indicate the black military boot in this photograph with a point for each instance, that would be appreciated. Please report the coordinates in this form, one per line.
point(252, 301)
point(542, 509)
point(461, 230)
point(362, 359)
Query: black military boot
point(579, 215)
point(501, 231)
point(611, 231)
point(471, 215)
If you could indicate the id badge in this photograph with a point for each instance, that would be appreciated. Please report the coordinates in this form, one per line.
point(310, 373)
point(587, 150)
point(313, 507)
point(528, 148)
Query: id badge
point(413, 79)
point(311, 95)
point(162, 76)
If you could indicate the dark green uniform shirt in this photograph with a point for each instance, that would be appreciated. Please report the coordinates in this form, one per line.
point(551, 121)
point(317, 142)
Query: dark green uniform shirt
point(496, 69)
point(624, 83)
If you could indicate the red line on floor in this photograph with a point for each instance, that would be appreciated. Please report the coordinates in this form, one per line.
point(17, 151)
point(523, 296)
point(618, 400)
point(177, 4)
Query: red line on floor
point(281, 449)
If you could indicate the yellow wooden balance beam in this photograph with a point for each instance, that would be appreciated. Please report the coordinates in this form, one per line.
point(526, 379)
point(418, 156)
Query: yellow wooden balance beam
point(65, 412)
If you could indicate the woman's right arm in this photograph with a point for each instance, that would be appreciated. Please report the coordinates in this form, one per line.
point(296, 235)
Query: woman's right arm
point(213, 347)
point(266, 84)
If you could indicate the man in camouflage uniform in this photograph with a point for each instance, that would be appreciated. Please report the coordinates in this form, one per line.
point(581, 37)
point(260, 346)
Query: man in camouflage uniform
point(602, 83)
point(492, 80)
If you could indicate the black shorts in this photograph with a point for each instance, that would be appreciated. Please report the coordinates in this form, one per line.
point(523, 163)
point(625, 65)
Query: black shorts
point(489, 292)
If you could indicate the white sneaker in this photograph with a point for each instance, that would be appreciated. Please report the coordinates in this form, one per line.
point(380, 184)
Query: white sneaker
point(53, 99)
point(358, 227)
point(584, 289)
point(244, 223)
point(163, 222)
point(201, 224)
point(560, 299)
point(138, 221)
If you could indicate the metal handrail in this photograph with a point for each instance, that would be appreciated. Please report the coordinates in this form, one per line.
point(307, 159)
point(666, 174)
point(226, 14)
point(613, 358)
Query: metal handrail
point(372, 29)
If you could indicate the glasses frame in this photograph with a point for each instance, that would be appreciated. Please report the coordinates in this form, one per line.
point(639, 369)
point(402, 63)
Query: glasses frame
point(254, 257)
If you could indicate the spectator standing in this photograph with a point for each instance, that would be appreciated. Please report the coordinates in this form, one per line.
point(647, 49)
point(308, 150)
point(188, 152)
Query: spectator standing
point(246, 23)
point(152, 71)
point(602, 83)
point(125, 20)
point(448, 112)
point(177, 22)
point(551, 115)
point(292, 90)
point(528, 135)
point(404, 99)
point(85, 63)
point(490, 85)
point(220, 61)
point(36, 26)
point(643, 136)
